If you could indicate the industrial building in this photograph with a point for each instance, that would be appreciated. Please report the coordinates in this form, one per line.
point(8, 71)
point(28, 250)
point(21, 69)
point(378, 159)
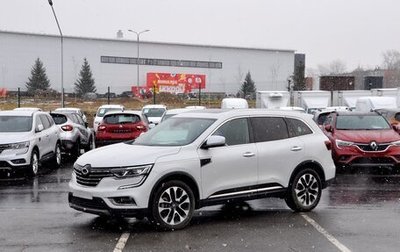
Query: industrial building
point(114, 63)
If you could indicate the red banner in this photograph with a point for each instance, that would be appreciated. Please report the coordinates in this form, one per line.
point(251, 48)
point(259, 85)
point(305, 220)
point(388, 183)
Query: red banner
point(3, 92)
point(176, 83)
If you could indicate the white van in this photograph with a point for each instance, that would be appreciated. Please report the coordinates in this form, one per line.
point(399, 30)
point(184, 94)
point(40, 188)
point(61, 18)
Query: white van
point(234, 103)
point(370, 103)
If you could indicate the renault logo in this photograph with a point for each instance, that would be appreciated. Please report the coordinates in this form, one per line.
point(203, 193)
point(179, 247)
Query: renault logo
point(85, 170)
point(374, 145)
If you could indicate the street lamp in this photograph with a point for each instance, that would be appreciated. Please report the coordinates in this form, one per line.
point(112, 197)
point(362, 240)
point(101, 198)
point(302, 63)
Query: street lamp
point(137, 58)
point(62, 54)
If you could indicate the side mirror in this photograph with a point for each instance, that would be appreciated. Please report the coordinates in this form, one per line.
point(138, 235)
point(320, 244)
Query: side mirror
point(39, 128)
point(328, 128)
point(396, 127)
point(86, 124)
point(152, 125)
point(214, 141)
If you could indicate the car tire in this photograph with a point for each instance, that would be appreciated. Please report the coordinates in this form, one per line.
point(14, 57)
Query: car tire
point(90, 145)
point(76, 151)
point(57, 159)
point(172, 206)
point(35, 163)
point(304, 191)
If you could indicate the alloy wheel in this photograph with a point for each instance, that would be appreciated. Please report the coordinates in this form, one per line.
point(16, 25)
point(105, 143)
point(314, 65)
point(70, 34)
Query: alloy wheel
point(307, 189)
point(174, 205)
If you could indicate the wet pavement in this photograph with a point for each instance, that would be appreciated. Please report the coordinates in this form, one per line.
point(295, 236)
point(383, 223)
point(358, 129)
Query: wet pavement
point(359, 212)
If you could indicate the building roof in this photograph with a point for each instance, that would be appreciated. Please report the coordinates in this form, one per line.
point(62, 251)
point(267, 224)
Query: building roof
point(146, 42)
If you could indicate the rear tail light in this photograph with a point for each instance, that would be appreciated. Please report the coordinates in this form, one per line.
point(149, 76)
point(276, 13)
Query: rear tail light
point(140, 127)
point(101, 127)
point(328, 144)
point(67, 127)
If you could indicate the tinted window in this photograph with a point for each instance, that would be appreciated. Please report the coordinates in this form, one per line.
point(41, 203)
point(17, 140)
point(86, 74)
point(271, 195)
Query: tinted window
point(121, 118)
point(269, 128)
point(59, 119)
point(15, 123)
point(153, 112)
point(235, 132)
point(297, 128)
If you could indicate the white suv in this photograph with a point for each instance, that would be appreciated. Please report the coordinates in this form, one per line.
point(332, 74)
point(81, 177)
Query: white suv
point(28, 138)
point(206, 157)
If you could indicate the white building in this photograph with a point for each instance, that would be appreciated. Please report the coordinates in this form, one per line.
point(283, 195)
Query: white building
point(113, 62)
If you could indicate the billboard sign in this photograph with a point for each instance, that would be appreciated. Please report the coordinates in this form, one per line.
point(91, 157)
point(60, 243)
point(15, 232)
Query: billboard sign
point(176, 83)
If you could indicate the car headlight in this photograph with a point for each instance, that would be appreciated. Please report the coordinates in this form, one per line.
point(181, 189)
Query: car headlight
point(396, 143)
point(341, 143)
point(20, 145)
point(133, 171)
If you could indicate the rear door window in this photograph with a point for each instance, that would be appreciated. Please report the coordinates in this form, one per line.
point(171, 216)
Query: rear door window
point(297, 127)
point(269, 128)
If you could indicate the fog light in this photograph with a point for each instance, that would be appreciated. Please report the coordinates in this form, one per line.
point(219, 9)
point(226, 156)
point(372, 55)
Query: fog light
point(18, 161)
point(123, 201)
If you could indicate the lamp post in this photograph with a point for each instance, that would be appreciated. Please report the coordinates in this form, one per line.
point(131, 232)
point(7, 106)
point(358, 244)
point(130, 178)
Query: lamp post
point(62, 54)
point(137, 58)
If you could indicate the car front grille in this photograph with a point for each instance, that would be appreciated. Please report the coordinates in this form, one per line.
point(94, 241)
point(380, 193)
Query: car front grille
point(374, 160)
point(367, 147)
point(93, 177)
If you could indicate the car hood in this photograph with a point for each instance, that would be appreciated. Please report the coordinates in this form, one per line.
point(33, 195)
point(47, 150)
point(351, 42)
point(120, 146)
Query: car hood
point(123, 154)
point(14, 137)
point(366, 136)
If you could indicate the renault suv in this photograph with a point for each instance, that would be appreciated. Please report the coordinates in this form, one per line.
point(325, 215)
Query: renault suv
point(28, 138)
point(362, 140)
point(202, 158)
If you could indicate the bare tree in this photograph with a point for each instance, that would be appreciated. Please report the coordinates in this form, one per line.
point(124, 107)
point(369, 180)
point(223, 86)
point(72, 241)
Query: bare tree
point(334, 67)
point(391, 59)
point(391, 64)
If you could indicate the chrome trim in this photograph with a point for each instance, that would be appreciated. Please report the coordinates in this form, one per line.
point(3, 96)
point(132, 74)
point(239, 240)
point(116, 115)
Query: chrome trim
point(247, 191)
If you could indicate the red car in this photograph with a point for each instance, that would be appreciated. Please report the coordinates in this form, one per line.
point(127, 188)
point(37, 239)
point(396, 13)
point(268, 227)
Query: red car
point(120, 126)
point(362, 140)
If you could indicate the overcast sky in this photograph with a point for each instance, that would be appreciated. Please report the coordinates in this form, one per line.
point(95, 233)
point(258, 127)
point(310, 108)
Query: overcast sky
point(354, 31)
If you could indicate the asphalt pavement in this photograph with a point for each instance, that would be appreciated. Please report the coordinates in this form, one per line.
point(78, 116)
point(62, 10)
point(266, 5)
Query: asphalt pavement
point(359, 212)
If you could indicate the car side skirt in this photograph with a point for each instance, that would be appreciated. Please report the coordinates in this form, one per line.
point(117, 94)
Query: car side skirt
point(245, 193)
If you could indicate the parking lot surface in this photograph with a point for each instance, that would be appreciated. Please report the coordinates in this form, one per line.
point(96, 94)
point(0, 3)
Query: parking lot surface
point(359, 212)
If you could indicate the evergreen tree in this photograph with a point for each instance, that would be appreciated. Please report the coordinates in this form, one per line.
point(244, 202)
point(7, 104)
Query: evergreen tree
point(248, 87)
point(38, 80)
point(85, 83)
point(298, 78)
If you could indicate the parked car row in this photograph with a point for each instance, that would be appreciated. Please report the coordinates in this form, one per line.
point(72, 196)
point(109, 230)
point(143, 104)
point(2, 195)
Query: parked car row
point(30, 137)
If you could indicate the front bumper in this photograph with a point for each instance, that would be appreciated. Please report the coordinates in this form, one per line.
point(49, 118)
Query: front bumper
point(99, 207)
point(359, 159)
point(106, 197)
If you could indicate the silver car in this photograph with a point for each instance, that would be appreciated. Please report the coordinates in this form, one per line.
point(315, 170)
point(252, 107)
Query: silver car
point(28, 138)
point(75, 134)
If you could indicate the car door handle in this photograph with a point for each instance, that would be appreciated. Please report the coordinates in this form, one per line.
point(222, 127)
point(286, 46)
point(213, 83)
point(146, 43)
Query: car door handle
point(248, 154)
point(296, 148)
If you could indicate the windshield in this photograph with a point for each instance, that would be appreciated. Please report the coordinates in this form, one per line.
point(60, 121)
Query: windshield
point(358, 122)
point(15, 123)
point(154, 112)
point(101, 112)
point(175, 132)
